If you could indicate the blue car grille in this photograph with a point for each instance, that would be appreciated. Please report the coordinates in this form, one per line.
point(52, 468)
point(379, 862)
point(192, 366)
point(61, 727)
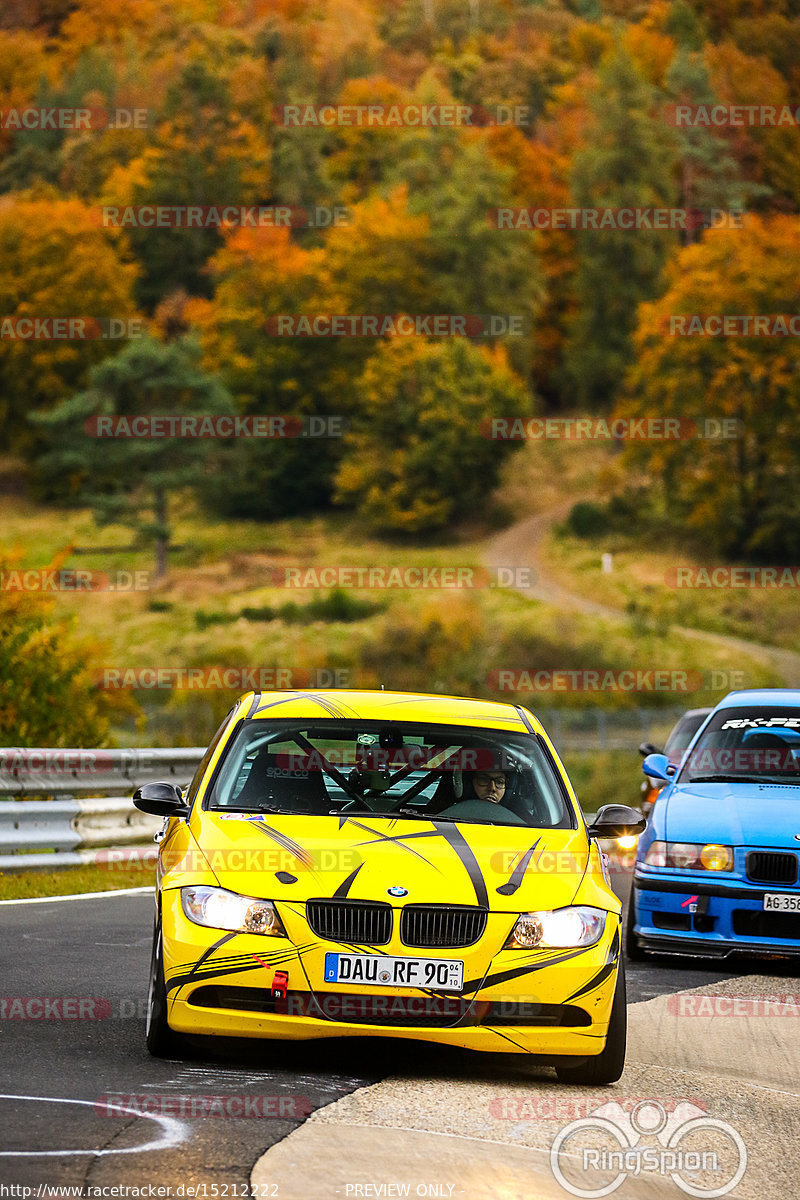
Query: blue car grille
point(768, 866)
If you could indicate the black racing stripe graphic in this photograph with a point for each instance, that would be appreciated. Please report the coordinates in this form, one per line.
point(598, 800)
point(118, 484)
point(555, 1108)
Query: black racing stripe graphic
point(603, 973)
point(517, 875)
point(456, 839)
point(515, 972)
point(195, 977)
point(206, 954)
point(601, 976)
point(614, 947)
point(399, 839)
point(286, 842)
point(285, 877)
point(272, 958)
point(346, 884)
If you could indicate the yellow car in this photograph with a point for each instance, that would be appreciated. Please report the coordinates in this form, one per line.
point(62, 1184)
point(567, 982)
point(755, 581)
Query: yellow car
point(378, 863)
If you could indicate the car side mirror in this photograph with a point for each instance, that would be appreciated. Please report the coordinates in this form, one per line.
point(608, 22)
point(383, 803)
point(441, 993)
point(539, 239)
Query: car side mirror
point(658, 766)
point(648, 748)
point(161, 799)
point(617, 820)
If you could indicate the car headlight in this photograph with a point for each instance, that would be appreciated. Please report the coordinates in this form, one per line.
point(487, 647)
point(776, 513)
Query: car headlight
point(691, 856)
point(628, 841)
point(219, 909)
point(557, 928)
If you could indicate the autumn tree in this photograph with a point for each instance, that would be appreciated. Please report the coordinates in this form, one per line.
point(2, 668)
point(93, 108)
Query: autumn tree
point(419, 456)
point(47, 690)
point(740, 492)
point(55, 261)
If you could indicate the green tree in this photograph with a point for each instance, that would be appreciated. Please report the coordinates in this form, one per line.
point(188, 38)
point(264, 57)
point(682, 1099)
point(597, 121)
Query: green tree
point(128, 480)
point(418, 457)
point(710, 177)
point(628, 162)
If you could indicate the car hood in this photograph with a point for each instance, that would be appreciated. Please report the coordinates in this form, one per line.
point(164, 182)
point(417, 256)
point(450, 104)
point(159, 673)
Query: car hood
point(504, 868)
point(735, 814)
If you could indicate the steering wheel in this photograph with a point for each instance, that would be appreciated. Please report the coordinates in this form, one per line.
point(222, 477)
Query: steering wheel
point(481, 810)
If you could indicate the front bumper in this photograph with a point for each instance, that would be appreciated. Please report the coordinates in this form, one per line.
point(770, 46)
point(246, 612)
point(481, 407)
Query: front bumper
point(546, 1003)
point(690, 915)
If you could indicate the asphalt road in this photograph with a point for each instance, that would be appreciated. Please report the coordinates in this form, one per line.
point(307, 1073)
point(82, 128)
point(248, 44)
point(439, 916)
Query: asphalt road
point(54, 1071)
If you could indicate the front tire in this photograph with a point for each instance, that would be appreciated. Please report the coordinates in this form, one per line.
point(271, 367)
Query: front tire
point(161, 1040)
point(608, 1065)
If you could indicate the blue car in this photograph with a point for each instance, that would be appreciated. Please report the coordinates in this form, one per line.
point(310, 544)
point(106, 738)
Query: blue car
point(718, 864)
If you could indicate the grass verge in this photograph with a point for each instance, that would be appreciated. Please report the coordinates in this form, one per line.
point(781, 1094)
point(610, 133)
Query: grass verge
point(68, 881)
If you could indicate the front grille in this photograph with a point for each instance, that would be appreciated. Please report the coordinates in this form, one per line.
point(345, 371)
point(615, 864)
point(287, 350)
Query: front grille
point(750, 923)
point(360, 921)
point(441, 925)
point(767, 866)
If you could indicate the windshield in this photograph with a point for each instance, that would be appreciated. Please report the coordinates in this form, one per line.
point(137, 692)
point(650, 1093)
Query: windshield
point(742, 744)
point(683, 733)
point(398, 771)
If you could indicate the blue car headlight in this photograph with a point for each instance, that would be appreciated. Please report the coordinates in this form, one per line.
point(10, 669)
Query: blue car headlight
point(690, 856)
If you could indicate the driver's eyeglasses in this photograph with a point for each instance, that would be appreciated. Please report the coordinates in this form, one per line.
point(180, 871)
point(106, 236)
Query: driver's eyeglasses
point(499, 781)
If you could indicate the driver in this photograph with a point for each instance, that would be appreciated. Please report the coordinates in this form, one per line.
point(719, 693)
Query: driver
point(489, 785)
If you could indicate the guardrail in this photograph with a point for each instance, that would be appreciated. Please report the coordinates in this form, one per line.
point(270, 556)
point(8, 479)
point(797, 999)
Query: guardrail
point(71, 829)
point(68, 830)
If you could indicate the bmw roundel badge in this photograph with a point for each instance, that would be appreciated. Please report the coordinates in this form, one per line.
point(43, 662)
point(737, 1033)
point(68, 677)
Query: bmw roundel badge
point(397, 891)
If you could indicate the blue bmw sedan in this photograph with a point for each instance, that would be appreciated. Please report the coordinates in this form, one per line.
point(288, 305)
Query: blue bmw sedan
point(717, 869)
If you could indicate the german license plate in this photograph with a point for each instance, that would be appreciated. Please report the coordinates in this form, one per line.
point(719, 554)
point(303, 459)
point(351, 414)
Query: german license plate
point(781, 902)
point(381, 970)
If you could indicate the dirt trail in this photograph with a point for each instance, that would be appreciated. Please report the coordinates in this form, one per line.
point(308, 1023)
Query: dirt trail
point(520, 546)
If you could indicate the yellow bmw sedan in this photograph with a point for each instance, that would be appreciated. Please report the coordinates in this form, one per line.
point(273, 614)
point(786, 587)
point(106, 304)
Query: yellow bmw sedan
point(379, 863)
